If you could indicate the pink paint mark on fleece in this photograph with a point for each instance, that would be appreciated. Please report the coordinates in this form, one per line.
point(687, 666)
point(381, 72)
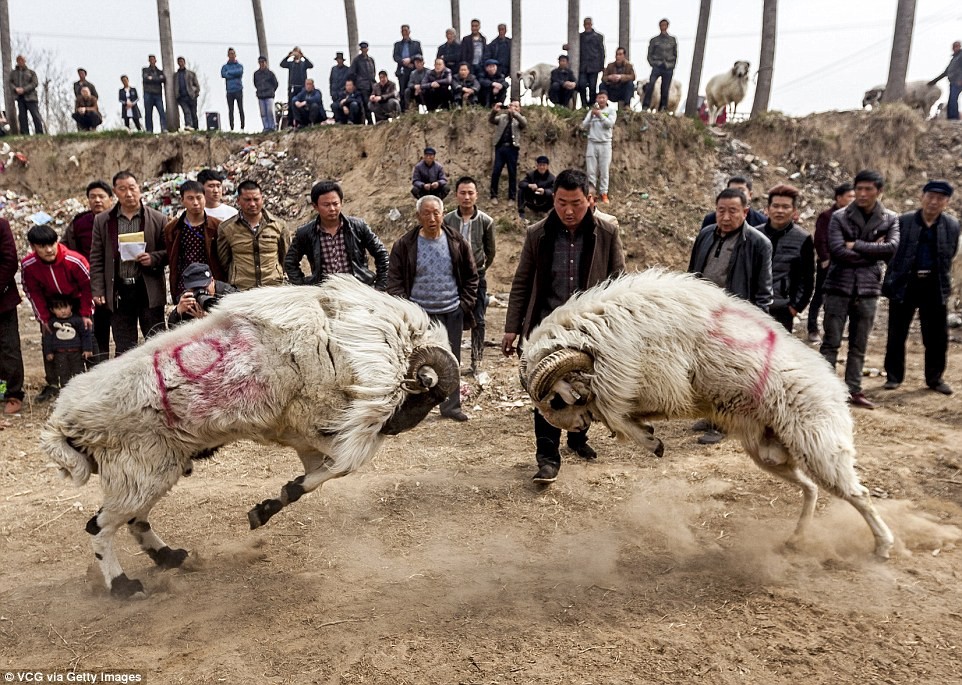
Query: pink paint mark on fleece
point(765, 343)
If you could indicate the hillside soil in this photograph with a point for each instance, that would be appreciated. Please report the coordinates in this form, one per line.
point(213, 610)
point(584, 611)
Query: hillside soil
point(440, 561)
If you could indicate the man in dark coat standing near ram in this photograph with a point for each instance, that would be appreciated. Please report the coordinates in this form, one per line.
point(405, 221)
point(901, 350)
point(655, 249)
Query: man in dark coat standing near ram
point(793, 257)
point(567, 252)
point(919, 277)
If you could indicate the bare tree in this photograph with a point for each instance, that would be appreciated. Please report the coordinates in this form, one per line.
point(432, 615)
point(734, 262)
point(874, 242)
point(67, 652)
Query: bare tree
point(350, 14)
point(901, 46)
point(698, 59)
point(515, 48)
point(54, 88)
point(456, 17)
point(573, 46)
point(624, 26)
point(766, 61)
point(167, 54)
point(259, 27)
point(6, 56)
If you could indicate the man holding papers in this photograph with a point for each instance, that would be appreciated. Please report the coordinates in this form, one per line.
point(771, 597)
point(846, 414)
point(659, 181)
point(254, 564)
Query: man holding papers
point(127, 260)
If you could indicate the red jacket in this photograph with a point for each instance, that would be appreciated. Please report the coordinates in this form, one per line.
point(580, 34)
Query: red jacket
point(69, 275)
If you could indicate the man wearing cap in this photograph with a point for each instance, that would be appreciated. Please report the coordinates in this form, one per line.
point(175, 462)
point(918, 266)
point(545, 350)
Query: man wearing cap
point(508, 123)
point(337, 80)
point(473, 46)
point(919, 277)
point(265, 86)
point(404, 52)
point(499, 50)
point(564, 84)
point(363, 73)
point(493, 86)
point(536, 190)
point(662, 56)
point(414, 92)
point(308, 106)
point(233, 74)
point(297, 65)
point(384, 101)
point(428, 177)
point(201, 292)
point(187, 88)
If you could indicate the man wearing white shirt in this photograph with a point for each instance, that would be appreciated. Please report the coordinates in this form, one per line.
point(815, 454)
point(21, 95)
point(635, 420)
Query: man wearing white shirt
point(213, 191)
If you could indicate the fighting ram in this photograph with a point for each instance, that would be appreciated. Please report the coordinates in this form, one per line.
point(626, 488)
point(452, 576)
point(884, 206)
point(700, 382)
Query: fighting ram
point(328, 371)
point(657, 345)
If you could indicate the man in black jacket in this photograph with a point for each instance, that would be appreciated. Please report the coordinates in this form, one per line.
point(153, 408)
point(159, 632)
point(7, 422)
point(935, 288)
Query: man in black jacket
point(592, 62)
point(793, 256)
point(860, 238)
point(744, 184)
point(335, 244)
point(564, 84)
point(536, 190)
point(919, 277)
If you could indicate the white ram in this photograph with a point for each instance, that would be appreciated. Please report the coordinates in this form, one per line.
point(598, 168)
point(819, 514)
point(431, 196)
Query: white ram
point(664, 345)
point(918, 95)
point(326, 370)
point(537, 80)
point(674, 94)
point(725, 89)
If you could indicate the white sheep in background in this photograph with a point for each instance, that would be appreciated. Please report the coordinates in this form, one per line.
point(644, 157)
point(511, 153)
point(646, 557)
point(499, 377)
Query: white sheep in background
point(918, 95)
point(674, 94)
point(537, 80)
point(725, 89)
point(664, 345)
point(327, 370)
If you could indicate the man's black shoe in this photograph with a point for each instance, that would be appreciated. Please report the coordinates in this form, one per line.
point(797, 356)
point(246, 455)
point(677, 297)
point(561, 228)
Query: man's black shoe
point(547, 473)
point(891, 385)
point(456, 415)
point(585, 452)
point(942, 387)
point(48, 393)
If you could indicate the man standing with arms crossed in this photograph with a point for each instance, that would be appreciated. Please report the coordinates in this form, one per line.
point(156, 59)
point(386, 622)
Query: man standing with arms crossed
point(568, 251)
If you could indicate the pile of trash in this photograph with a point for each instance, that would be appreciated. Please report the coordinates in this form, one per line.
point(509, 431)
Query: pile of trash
point(25, 212)
point(284, 178)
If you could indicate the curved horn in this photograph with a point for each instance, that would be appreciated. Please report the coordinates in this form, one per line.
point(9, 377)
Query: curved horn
point(431, 367)
point(554, 367)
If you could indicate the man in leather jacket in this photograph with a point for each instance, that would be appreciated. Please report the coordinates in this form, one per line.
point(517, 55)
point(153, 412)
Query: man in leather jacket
point(334, 243)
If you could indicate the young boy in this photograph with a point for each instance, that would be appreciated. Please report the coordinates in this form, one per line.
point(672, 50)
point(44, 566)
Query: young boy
point(67, 342)
point(54, 270)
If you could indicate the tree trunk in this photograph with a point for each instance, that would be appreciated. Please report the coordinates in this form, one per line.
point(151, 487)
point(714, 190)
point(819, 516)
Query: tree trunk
point(167, 55)
point(456, 17)
point(624, 26)
point(9, 102)
point(901, 46)
point(574, 42)
point(515, 48)
point(698, 59)
point(766, 61)
point(261, 31)
point(350, 14)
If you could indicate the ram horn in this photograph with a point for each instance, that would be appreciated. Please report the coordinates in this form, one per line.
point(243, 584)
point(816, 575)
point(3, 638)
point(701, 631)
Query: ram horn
point(431, 367)
point(554, 367)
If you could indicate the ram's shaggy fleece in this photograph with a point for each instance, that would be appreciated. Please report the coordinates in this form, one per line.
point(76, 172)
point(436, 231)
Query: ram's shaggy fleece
point(668, 345)
point(319, 369)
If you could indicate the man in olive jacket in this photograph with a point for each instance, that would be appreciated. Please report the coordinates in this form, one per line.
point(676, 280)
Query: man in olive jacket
point(662, 56)
point(568, 251)
point(334, 243)
point(23, 83)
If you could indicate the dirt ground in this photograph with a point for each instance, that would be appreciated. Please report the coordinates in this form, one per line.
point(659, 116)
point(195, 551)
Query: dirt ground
point(440, 562)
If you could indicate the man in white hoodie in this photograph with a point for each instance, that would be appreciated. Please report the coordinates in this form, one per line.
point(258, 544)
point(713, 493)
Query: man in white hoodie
point(599, 122)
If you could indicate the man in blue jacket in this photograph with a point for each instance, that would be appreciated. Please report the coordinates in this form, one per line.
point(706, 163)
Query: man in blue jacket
point(233, 73)
point(919, 277)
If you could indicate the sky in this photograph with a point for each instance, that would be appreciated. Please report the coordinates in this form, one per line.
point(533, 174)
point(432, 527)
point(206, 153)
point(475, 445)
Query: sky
point(828, 52)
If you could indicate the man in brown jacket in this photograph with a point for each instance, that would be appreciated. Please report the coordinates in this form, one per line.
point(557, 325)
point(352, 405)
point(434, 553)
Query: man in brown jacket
point(567, 252)
point(190, 238)
point(133, 289)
